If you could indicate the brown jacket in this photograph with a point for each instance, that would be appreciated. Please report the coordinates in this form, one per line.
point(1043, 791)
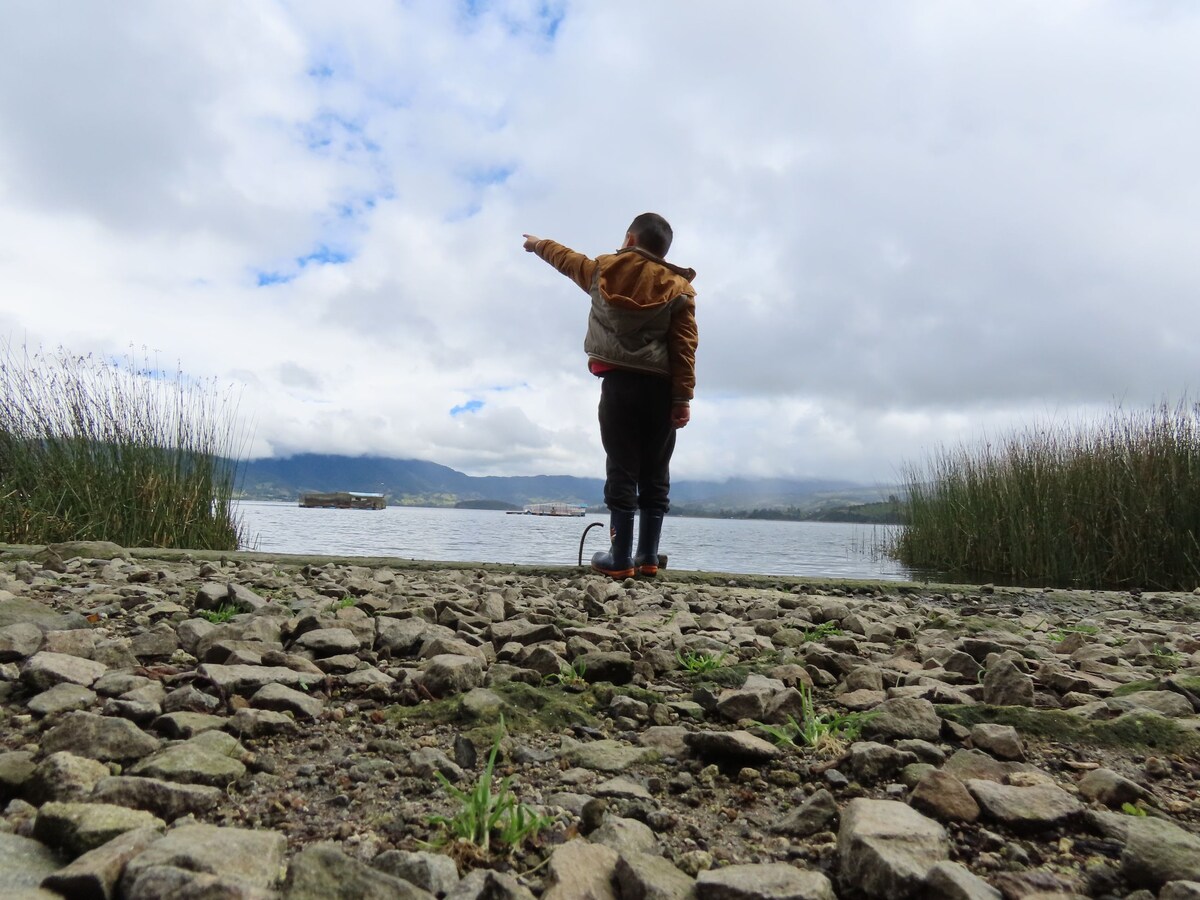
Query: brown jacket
point(643, 311)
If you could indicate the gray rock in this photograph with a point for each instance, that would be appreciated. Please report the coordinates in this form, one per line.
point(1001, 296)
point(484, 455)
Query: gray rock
point(89, 550)
point(402, 638)
point(19, 641)
point(192, 764)
point(581, 871)
point(887, 848)
point(24, 862)
point(97, 872)
point(60, 699)
point(607, 755)
point(323, 872)
point(968, 764)
point(1002, 741)
point(731, 746)
point(211, 595)
point(903, 717)
point(488, 884)
point(668, 740)
point(645, 876)
point(327, 642)
point(767, 881)
point(1107, 787)
point(448, 674)
point(625, 835)
point(367, 679)
point(1035, 807)
point(1165, 703)
point(184, 725)
point(613, 666)
point(167, 800)
point(189, 699)
point(431, 872)
point(870, 762)
point(1006, 685)
point(622, 788)
point(16, 773)
point(952, 881)
point(735, 705)
point(941, 795)
point(1157, 851)
point(44, 670)
point(159, 882)
point(159, 641)
point(98, 737)
point(817, 813)
point(280, 698)
point(79, 642)
point(76, 828)
point(65, 776)
point(426, 762)
point(245, 599)
point(23, 610)
point(256, 723)
point(18, 610)
point(247, 858)
point(1180, 890)
point(481, 704)
point(865, 678)
point(246, 680)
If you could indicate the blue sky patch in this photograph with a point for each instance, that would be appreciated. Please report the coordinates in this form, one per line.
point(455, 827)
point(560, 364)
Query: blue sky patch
point(266, 279)
point(470, 406)
point(324, 256)
point(489, 175)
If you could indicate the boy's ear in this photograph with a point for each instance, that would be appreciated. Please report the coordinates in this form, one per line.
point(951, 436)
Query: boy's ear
point(630, 240)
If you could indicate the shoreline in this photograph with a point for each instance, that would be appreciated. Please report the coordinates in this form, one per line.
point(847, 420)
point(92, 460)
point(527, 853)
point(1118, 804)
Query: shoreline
point(1006, 726)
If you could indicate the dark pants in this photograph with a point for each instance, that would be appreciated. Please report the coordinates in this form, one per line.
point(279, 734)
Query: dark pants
point(636, 430)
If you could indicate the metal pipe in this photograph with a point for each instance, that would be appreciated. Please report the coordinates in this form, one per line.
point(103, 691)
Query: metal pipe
point(584, 537)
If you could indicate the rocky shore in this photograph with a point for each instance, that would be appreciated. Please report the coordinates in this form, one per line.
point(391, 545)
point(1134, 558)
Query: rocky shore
point(205, 726)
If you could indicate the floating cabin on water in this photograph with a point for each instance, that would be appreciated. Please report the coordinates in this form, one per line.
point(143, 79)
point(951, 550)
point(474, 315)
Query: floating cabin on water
point(552, 509)
point(342, 500)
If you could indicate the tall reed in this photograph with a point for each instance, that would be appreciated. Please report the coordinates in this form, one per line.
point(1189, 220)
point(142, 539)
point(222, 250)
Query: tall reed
point(92, 449)
point(1113, 503)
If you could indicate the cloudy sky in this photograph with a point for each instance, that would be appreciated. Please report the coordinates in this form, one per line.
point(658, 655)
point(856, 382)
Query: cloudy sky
point(915, 223)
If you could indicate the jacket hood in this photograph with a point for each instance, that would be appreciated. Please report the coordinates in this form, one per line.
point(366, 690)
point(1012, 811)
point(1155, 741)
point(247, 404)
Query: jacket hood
point(631, 277)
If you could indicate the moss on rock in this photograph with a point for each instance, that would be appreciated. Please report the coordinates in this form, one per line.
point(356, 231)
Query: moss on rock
point(1136, 731)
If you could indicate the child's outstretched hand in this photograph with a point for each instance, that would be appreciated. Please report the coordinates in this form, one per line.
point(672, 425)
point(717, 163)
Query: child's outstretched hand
point(681, 414)
point(530, 242)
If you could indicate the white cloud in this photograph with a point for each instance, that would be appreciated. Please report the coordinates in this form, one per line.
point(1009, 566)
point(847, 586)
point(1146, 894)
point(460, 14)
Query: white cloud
point(911, 227)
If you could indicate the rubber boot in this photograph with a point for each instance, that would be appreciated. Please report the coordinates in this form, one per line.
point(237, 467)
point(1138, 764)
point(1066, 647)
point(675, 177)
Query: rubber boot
point(618, 561)
point(649, 529)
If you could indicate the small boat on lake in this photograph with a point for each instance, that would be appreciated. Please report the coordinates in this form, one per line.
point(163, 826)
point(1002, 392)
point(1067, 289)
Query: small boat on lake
point(552, 509)
point(342, 500)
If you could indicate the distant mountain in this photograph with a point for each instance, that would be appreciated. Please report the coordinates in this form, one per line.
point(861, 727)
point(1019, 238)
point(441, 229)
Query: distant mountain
point(408, 481)
point(419, 482)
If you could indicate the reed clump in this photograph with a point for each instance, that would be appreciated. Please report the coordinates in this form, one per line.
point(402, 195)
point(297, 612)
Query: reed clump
point(92, 449)
point(1111, 503)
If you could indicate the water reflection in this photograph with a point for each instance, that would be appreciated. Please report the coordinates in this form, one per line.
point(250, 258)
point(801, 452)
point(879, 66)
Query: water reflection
point(462, 535)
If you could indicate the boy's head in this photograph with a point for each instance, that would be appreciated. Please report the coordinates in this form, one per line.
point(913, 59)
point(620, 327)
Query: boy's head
point(651, 232)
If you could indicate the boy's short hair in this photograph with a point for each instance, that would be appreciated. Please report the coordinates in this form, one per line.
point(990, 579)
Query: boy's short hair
point(653, 233)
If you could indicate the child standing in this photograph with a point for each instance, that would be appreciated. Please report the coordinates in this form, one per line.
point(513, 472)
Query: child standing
point(641, 341)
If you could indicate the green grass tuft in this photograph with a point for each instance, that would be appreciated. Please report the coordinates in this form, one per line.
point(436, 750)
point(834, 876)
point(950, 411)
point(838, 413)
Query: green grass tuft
point(489, 814)
point(698, 661)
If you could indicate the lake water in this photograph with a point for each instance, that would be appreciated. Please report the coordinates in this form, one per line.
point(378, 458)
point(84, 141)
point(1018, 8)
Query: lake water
point(754, 547)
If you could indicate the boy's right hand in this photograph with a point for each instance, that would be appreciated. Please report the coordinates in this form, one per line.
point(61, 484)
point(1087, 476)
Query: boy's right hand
point(530, 242)
point(681, 414)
